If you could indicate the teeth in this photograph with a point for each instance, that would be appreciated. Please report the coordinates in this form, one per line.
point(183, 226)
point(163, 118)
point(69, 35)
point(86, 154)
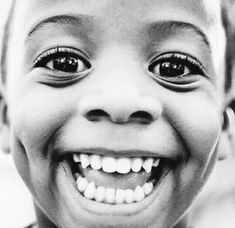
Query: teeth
point(139, 194)
point(148, 188)
point(156, 163)
point(85, 160)
point(96, 162)
point(100, 194)
point(123, 165)
point(111, 195)
point(136, 165)
point(76, 175)
point(82, 184)
point(120, 196)
point(76, 158)
point(90, 191)
point(148, 163)
point(129, 196)
point(108, 164)
point(112, 164)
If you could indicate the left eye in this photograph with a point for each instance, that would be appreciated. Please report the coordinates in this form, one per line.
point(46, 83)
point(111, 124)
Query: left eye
point(175, 65)
point(63, 61)
point(67, 64)
point(171, 69)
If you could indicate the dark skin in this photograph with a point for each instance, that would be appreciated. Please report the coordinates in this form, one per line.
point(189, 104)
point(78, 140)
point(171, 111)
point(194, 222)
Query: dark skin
point(172, 75)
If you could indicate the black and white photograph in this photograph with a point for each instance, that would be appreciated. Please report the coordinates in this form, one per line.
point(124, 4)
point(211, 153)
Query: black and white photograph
point(117, 114)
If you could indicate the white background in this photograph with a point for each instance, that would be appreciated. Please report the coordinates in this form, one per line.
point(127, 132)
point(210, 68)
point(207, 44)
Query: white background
point(16, 208)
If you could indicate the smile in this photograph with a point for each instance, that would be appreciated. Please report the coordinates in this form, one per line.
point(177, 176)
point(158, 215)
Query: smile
point(117, 180)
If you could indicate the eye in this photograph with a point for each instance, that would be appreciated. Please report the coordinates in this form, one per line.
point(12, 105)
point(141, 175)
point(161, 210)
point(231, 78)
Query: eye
point(69, 64)
point(175, 65)
point(64, 60)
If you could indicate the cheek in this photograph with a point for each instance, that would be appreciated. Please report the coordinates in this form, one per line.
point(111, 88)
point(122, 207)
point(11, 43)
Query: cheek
point(36, 118)
point(198, 122)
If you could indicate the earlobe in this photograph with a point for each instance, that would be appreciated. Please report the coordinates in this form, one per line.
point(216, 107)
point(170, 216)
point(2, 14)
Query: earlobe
point(4, 127)
point(4, 139)
point(228, 121)
point(227, 140)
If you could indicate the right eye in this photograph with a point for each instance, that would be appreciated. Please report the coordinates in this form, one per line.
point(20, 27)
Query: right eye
point(176, 66)
point(63, 60)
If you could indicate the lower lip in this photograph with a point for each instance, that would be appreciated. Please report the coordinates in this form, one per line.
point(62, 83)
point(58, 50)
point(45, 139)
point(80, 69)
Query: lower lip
point(68, 190)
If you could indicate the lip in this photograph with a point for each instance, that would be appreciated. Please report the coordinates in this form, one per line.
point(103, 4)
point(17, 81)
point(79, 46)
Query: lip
point(67, 188)
point(115, 153)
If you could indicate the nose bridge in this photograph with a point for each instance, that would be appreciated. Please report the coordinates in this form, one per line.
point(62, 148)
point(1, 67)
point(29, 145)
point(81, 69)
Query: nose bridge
point(120, 94)
point(119, 63)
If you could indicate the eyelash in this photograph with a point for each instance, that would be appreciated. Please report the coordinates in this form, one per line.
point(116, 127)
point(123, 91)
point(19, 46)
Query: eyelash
point(43, 59)
point(173, 70)
point(194, 65)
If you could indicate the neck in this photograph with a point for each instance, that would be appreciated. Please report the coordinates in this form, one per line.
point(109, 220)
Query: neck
point(182, 224)
point(42, 220)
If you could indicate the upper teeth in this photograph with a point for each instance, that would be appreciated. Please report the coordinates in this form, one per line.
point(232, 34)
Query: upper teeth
point(121, 165)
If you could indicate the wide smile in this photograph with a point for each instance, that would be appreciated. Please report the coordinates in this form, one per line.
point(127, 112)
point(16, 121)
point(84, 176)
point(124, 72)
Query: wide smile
point(117, 180)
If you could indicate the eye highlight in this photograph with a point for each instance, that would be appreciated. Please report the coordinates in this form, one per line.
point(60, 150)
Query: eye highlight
point(63, 59)
point(175, 65)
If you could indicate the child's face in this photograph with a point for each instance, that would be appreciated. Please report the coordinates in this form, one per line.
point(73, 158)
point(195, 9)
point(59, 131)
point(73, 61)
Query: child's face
point(120, 83)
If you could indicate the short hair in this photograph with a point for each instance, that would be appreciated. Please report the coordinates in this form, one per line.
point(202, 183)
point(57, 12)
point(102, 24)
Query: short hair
point(226, 19)
point(229, 25)
point(5, 42)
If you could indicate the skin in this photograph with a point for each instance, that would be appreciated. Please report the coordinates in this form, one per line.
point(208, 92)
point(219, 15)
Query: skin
point(48, 118)
point(216, 205)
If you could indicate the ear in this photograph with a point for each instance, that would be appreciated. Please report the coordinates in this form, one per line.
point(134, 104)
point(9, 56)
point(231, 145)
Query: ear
point(4, 126)
point(227, 140)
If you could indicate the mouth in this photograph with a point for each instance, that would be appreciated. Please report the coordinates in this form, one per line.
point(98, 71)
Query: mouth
point(116, 180)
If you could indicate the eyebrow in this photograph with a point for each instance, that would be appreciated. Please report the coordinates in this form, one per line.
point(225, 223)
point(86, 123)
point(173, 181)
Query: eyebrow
point(173, 25)
point(85, 20)
point(82, 20)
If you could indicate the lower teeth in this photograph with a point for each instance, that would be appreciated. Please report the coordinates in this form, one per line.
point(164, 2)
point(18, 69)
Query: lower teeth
point(111, 195)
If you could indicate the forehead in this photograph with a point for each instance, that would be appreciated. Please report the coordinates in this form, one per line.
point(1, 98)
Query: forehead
point(203, 10)
point(117, 16)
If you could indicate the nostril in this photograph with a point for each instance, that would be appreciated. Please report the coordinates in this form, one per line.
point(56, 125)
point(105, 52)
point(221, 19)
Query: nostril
point(141, 117)
point(96, 115)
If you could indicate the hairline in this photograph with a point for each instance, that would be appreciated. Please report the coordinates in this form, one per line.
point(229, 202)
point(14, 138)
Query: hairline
point(229, 55)
point(5, 42)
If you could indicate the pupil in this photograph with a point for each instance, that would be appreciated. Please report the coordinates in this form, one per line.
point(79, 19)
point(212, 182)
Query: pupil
point(66, 64)
point(171, 69)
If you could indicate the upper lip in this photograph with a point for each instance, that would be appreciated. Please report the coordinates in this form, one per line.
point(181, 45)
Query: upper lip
point(114, 153)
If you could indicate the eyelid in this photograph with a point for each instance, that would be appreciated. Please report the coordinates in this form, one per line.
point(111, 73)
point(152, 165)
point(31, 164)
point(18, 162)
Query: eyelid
point(57, 50)
point(178, 56)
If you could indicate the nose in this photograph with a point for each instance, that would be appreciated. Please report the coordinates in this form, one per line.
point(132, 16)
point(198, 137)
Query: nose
point(120, 107)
